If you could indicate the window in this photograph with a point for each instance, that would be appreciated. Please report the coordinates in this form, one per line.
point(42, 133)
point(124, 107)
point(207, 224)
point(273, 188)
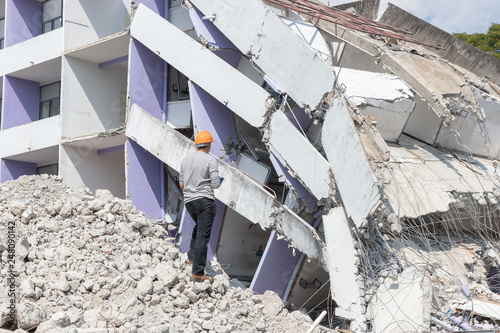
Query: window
point(51, 15)
point(2, 33)
point(51, 169)
point(178, 82)
point(49, 100)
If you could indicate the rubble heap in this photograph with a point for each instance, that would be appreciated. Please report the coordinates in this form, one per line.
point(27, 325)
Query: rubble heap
point(85, 261)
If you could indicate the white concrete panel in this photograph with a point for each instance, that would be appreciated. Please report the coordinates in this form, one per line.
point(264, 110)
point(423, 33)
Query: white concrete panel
point(383, 95)
point(423, 122)
point(400, 306)
point(474, 137)
point(179, 114)
point(342, 265)
point(311, 35)
point(32, 52)
point(274, 47)
point(295, 151)
point(213, 74)
point(391, 117)
point(30, 137)
point(86, 22)
point(83, 167)
point(353, 173)
point(98, 94)
point(238, 191)
point(104, 49)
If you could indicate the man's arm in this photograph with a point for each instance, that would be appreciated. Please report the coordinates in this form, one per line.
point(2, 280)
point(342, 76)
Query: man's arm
point(214, 174)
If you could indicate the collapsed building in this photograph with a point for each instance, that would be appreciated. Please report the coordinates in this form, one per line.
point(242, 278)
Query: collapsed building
point(360, 167)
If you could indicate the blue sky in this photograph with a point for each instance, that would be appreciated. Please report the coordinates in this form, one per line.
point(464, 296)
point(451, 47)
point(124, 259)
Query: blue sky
point(450, 15)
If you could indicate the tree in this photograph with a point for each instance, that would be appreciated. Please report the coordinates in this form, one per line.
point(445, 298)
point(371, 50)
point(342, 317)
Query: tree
point(488, 42)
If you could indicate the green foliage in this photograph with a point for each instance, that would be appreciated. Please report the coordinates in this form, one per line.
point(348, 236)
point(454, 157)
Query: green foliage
point(488, 42)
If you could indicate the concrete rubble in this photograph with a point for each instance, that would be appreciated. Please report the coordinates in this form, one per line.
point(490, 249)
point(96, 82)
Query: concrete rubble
point(94, 263)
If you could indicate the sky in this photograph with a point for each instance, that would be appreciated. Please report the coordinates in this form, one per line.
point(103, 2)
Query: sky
point(452, 16)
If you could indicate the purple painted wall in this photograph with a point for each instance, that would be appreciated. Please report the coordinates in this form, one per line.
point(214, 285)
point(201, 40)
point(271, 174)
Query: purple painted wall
point(211, 115)
point(143, 180)
point(158, 6)
point(23, 20)
point(21, 102)
point(214, 37)
point(275, 267)
point(187, 225)
point(309, 200)
point(146, 79)
point(12, 170)
point(303, 119)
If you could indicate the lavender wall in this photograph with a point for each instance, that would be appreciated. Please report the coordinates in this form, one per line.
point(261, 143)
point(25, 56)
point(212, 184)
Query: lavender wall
point(187, 225)
point(21, 102)
point(301, 116)
point(211, 115)
point(309, 200)
point(214, 37)
point(12, 170)
point(275, 267)
point(23, 20)
point(143, 180)
point(158, 6)
point(146, 80)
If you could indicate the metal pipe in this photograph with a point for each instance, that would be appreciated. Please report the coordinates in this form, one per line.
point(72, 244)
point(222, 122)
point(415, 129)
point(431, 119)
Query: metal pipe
point(443, 324)
point(316, 322)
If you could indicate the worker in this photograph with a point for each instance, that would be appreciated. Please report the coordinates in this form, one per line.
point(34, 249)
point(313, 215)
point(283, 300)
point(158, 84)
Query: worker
point(198, 178)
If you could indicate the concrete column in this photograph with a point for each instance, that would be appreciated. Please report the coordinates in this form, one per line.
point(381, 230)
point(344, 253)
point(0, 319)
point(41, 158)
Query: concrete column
point(146, 86)
point(21, 102)
point(23, 20)
point(145, 173)
point(11, 170)
point(143, 180)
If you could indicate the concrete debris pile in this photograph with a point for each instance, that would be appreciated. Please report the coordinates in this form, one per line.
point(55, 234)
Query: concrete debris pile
point(85, 261)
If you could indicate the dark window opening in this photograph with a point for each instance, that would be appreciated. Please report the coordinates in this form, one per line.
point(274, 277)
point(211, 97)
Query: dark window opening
point(50, 169)
point(50, 100)
point(178, 85)
point(51, 15)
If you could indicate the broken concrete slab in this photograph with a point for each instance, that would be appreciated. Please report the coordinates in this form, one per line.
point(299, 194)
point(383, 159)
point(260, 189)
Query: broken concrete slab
point(420, 179)
point(343, 268)
point(403, 305)
point(353, 173)
point(296, 152)
point(238, 191)
point(274, 47)
point(383, 95)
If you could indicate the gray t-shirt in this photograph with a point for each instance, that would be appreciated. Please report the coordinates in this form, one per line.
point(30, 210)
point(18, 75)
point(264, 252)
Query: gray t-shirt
point(200, 175)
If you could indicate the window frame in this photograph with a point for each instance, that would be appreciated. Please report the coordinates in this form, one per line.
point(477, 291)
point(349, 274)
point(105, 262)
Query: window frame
point(52, 20)
point(50, 100)
point(2, 38)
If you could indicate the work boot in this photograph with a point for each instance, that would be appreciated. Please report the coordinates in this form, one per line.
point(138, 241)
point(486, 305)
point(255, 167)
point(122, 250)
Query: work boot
point(201, 278)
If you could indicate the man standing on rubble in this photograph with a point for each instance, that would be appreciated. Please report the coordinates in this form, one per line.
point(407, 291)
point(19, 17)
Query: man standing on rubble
point(198, 178)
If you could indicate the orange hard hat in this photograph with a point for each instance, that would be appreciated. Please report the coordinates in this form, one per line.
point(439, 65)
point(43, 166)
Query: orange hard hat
point(203, 137)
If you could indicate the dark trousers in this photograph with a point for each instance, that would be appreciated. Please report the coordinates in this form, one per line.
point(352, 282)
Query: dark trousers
point(203, 212)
